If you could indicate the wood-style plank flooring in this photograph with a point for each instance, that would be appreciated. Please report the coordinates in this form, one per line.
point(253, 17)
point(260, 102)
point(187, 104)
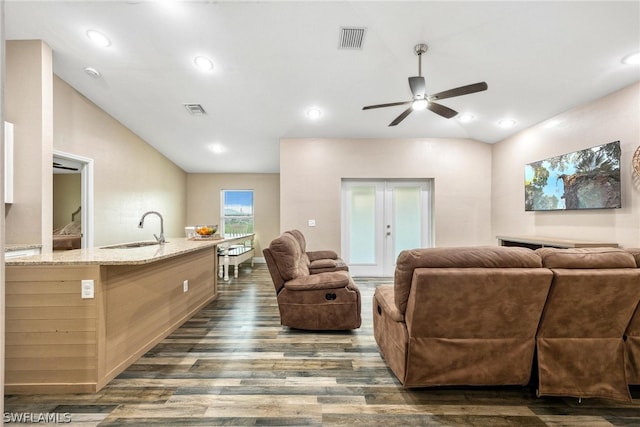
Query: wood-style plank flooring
point(233, 364)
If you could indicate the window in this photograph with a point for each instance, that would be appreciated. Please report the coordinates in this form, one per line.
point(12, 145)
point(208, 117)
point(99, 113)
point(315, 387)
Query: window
point(237, 211)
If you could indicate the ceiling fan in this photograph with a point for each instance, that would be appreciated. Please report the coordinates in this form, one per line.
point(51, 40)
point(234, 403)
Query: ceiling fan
point(57, 165)
point(421, 100)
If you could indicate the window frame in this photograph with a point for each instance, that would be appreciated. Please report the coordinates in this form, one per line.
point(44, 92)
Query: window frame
point(223, 216)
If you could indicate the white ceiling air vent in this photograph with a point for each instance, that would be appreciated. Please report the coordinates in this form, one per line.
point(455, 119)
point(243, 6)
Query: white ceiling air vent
point(352, 37)
point(195, 109)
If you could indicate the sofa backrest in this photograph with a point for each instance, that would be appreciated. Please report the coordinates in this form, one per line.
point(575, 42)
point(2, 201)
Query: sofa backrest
point(594, 292)
point(297, 234)
point(285, 260)
point(456, 257)
point(634, 326)
point(589, 258)
point(302, 242)
point(635, 252)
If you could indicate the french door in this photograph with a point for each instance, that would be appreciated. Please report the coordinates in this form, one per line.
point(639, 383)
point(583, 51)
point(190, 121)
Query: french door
point(382, 217)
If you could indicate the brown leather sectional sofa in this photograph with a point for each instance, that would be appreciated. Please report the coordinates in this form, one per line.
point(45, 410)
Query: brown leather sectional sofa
point(478, 315)
point(632, 337)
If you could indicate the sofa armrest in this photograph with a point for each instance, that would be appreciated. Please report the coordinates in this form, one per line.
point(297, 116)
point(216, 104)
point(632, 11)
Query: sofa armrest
point(327, 254)
point(385, 299)
point(329, 280)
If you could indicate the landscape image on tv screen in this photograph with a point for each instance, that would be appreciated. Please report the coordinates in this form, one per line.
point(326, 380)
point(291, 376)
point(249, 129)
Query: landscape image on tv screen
point(585, 179)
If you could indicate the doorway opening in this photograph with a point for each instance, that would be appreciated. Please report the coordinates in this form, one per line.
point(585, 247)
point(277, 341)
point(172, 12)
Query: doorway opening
point(73, 198)
point(381, 218)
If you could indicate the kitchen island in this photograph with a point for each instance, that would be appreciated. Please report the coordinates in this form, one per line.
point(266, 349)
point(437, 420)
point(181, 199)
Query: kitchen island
point(76, 319)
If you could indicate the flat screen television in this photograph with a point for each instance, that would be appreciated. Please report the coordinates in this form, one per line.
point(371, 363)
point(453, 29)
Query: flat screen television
point(585, 179)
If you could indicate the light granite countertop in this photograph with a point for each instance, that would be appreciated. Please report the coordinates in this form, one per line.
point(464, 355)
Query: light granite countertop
point(109, 256)
point(21, 246)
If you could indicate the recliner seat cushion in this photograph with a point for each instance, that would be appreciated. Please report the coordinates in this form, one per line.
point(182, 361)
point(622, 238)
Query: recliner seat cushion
point(330, 280)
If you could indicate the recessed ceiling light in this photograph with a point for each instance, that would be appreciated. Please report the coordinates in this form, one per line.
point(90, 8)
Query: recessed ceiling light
point(217, 148)
point(632, 59)
point(465, 118)
point(314, 113)
point(98, 38)
point(92, 72)
point(203, 63)
point(506, 123)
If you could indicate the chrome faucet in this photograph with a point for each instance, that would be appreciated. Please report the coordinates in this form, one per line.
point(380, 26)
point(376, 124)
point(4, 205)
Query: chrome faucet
point(159, 239)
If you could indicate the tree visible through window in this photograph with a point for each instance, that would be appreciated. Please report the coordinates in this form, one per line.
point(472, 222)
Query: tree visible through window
point(237, 211)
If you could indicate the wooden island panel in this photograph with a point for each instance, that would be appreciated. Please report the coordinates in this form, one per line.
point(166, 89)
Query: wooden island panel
point(57, 342)
point(51, 333)
point(145, 303)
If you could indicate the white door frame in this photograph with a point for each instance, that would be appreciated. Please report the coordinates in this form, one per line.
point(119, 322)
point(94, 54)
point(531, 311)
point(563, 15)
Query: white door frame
point(86, 197)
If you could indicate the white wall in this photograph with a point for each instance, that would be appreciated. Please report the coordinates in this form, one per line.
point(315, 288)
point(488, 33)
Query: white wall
point(612, 118)
point(311, 171)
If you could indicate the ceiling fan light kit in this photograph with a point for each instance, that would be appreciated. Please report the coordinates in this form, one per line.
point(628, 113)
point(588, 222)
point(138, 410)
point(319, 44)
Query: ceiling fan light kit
point(419, 104)
point(422, 101)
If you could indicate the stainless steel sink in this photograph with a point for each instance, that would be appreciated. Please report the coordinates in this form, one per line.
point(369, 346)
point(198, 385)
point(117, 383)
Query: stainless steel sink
point(131, 245)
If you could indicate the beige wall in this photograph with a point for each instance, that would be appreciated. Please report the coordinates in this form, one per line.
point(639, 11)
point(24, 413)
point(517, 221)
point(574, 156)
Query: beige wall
point(2, 218)
point(203, 201)
point(66, 197)
point(28, 104)
point(131, 177)
point(311, 171)
point(612, 118)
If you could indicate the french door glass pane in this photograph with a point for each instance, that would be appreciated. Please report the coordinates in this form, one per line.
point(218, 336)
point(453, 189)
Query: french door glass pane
point(407, 220)
point(362, 232)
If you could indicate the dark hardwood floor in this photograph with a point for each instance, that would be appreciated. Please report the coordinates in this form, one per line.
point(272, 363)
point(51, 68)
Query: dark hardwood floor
point(233, 364)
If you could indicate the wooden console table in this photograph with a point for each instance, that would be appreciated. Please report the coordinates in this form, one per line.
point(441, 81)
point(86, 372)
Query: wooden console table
point(535, 242)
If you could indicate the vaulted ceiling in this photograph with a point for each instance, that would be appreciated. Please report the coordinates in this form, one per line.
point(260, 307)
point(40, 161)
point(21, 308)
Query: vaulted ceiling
point(274, 60)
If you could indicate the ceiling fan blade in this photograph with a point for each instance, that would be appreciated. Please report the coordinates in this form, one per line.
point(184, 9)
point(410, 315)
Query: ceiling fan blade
point(417, 86)
point(59, 166)
point(392, 104)
point(462, 90)
point(401, 117)
point(440, 109)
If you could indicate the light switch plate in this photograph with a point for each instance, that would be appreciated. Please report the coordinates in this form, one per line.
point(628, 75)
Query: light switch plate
point(87, 289)
point(185, 286)
point(311, 223)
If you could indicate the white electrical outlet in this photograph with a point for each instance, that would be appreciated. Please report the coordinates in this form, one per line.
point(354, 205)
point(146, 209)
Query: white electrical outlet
point(87, 291)
point(311, 223)
point(185, 286)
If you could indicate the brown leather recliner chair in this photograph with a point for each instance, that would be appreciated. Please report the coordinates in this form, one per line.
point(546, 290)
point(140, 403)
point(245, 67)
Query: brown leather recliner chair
point(323, 301)
point(319, 261)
